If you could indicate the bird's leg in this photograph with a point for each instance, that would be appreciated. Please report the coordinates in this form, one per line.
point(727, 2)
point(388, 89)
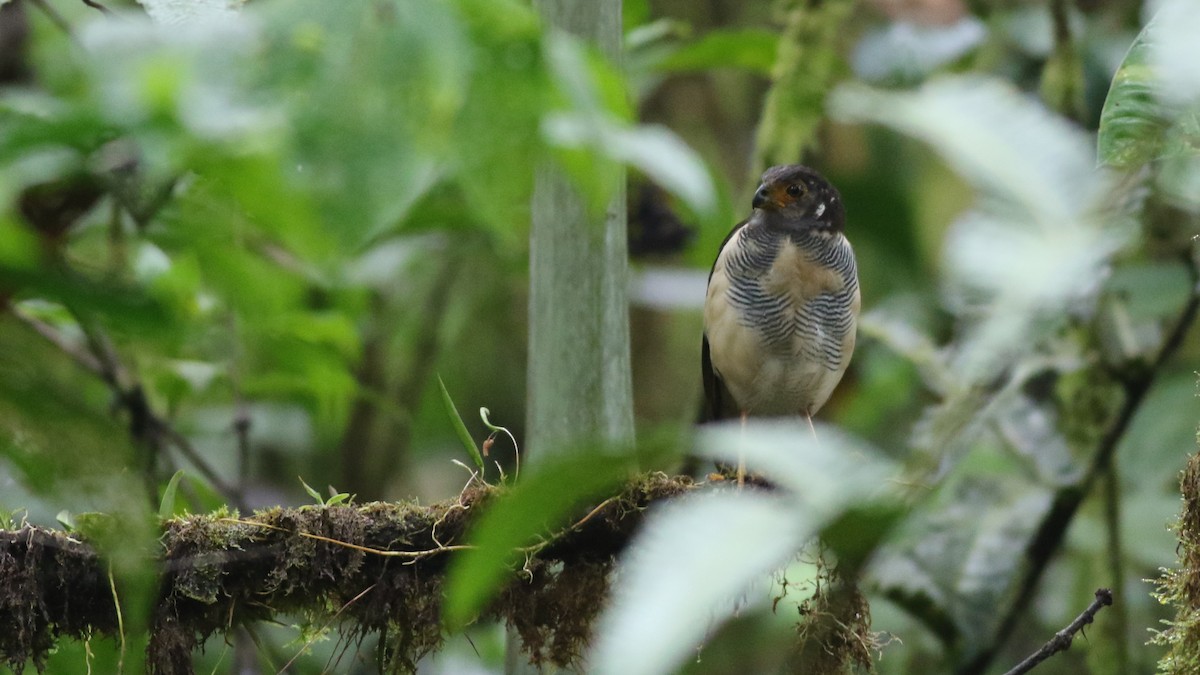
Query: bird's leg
point(741, 467)
point(813, 429)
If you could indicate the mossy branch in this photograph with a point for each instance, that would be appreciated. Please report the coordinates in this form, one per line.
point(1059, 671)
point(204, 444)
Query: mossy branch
point(373, 568)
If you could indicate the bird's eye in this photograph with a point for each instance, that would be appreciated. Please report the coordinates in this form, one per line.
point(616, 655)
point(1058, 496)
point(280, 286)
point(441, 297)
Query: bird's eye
point(795, 190)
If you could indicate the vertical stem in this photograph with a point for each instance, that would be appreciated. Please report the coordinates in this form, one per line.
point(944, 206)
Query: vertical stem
point(14, 44)
point(1062, 78)
point(242, 421)
point(118, 258)
point(1119, 617)
point(375, 449)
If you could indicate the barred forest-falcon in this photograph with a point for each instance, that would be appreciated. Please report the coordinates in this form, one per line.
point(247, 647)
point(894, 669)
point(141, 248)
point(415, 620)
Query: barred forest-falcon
point(782, 303)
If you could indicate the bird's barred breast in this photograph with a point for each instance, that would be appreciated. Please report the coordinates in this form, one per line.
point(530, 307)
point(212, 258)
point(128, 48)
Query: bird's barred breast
point(795, 275)
point(782, 336)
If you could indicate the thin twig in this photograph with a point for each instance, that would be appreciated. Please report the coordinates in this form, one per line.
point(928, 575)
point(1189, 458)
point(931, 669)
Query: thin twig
point(242, 420)
point(88, 656)
point(112, 584)
point(317, 634)
point(485, 415)
point(95, 5)
point(1117, 628)
point(1070, 100)
point(591, 514)
point(55, 18)
point(80, 356)
point(147, 424)
point(457, 505)
point(99, 358)
point(1062, 639)
point(440, 548)
point(241, 428)
point(189, 452)
point(538, 547)
point(264, 650)
point(117, 245)
point(102, 349)
point(414, 555)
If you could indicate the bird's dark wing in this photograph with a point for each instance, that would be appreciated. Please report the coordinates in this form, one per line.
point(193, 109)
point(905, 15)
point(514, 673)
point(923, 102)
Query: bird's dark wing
point(723, 243)
point(718, 403)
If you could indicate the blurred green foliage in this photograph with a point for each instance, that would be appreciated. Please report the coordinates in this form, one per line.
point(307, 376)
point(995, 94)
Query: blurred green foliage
point(241, 242)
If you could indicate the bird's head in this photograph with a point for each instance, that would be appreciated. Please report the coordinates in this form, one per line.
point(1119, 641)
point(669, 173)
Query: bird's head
point(798, 196)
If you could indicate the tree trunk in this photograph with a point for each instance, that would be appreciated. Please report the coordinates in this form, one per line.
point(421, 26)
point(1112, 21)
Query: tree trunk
point(580, 386)
point(579, 367)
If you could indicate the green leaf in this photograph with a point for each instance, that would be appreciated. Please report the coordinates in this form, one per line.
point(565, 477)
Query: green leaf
point(855, 535)
point(653, 38)
point(1038, 243)
point(634, 13)
point(893, 329)
point(1151, 108)
point(997, 138)
point(182, 11)
point(311, 492)
point(166, 507)
point(954, 561)
point(129, 307)
point(1133, 121)
point(104, 528)
point(749, 49)
point(588, 82)
point(1175, 51)
point(65, 519)
point(906, 51)
point(413, 111)
point(595, 124)
point(1152, 291)
point(33, 120)
point(460, 428)
point(544, 499)
point(654, 150)
point(685, 571)
point(694, 557)
point(824, 475)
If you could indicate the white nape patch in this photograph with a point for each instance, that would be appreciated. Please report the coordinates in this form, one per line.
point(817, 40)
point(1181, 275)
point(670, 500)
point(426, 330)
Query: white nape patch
point(820, 209)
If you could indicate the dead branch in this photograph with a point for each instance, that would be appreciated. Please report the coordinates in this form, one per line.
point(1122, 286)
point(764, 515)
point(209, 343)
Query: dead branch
point(1062, 639)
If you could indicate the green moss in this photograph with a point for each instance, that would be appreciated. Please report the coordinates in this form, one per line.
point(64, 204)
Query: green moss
point(1180, 588)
